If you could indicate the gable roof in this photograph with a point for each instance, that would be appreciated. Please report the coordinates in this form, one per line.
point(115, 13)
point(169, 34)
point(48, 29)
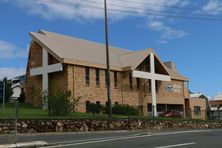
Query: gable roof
point(77, 51)
point(198, 95)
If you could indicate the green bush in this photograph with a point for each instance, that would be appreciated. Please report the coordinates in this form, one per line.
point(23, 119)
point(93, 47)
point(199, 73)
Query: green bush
point(125, 110)
point(94, 108)
point(59, 103)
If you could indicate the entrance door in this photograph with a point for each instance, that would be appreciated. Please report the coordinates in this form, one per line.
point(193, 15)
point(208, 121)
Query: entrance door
point(187, 108)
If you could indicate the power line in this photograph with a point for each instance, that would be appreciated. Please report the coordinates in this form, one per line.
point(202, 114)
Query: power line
point(157, 5)
point(136, 12)
point(148, 4)
point(149, 10)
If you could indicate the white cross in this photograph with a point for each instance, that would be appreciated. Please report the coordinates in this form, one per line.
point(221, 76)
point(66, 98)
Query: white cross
point(153, 76)
point(45, 70)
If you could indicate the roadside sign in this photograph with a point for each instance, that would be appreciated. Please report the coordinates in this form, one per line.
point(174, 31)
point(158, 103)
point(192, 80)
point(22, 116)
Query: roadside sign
point(1, 91)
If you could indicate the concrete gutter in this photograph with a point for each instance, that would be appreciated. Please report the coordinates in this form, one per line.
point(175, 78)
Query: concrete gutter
point(25, 144)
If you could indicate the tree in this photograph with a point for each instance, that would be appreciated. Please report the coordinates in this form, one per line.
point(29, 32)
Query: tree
point(60, 101)
point(8, 89)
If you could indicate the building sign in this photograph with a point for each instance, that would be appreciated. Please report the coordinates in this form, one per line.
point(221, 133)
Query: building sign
point(176, 88)
point(170, 88)
point(1, 91)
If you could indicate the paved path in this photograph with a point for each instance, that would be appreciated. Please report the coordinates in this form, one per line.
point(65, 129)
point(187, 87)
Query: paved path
point(124, 139)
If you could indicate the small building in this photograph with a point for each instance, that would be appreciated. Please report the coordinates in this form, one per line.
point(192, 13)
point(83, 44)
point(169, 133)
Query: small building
point(198, 106)
point(138, 78)
point(17, 85)
point(216, 103)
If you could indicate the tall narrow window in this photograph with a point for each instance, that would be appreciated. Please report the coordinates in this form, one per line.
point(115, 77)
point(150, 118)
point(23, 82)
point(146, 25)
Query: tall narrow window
point(150, 85)
point(97, 77)
point(138, 83)
point(87, 76)
point(157, 85)
point(130, 80)
point(87, 106)
point(197, 111)
point(115, 79)
point(106, 78)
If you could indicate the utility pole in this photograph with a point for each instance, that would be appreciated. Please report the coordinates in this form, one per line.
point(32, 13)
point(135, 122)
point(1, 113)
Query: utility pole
point(107, 62)
point(3, 99)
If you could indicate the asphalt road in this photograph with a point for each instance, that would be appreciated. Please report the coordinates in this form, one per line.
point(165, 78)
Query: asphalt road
point(210, 138)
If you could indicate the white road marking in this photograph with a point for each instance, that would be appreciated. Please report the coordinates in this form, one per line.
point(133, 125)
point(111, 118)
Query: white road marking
point(182, 132)
point(100, 140)
point(176, 145)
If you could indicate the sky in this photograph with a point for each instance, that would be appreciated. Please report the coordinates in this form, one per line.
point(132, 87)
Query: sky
point(186, 32)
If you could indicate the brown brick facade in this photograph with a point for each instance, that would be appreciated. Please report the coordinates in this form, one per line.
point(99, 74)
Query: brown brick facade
point(73, 78)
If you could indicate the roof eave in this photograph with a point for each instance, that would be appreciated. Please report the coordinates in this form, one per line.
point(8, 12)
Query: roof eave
point(45, 47)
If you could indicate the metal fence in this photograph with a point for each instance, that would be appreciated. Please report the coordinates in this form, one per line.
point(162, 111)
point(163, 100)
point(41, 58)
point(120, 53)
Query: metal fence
point(215, 115)
point(81, 110)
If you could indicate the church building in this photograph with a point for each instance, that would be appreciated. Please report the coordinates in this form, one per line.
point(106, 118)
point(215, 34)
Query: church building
point(138, 78)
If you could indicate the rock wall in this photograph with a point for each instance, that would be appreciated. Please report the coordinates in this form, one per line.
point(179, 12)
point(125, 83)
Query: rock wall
point(85, 125)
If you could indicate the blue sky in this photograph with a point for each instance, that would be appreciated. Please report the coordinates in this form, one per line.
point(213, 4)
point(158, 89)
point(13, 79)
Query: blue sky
point(194, 45)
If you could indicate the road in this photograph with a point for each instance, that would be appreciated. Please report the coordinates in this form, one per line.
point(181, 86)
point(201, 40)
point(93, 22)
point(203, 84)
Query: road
point(209, 138)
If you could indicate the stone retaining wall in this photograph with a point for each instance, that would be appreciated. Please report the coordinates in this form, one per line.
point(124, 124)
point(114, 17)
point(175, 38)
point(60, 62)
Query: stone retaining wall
point(84, 125)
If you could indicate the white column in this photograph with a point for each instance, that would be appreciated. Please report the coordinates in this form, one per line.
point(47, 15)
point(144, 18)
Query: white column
point(153, 93)
point(153, 85)
point(45, 79)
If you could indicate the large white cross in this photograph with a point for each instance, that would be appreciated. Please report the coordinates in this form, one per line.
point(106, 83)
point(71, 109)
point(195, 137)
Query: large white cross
point(153, 77)
point(45, 70)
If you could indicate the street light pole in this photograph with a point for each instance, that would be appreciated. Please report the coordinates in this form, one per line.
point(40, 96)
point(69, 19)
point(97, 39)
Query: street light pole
point(107, 62)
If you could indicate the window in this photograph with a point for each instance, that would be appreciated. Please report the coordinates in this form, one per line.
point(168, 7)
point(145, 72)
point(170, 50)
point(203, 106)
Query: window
point(149, 107)
point(138, 83)
point(197, 110)
point(87, 76)
point(130, 80)
point(106, 78)
point(87, 106)
point(157, 85)
point(98, 102)
point(115, 79)
point(116, 103)
point(97, 77)
point(150, 85)
point(161, 107)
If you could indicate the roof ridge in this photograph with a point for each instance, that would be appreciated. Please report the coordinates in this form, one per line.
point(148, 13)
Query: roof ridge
point(132, 52)
point(78, 38)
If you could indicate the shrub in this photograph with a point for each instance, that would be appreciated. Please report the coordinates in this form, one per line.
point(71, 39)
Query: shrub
point(94, 108)
point(124, 110)
point(59, 103)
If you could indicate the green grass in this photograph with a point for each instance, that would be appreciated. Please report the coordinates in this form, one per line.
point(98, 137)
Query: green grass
point(27, 111)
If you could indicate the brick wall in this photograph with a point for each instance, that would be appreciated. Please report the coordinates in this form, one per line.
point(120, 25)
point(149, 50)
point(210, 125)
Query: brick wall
point(122, 94)
point(73, 79)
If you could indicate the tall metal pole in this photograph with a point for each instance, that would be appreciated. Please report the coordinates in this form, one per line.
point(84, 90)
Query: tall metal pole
point(107, 62)
point(16, 120)
point(3, 99)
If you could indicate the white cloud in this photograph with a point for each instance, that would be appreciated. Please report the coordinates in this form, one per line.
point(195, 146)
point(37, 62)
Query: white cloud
point(50, 11)
point(213, 7)
point(167, 32)
point(10, 72)
point(9, 50)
